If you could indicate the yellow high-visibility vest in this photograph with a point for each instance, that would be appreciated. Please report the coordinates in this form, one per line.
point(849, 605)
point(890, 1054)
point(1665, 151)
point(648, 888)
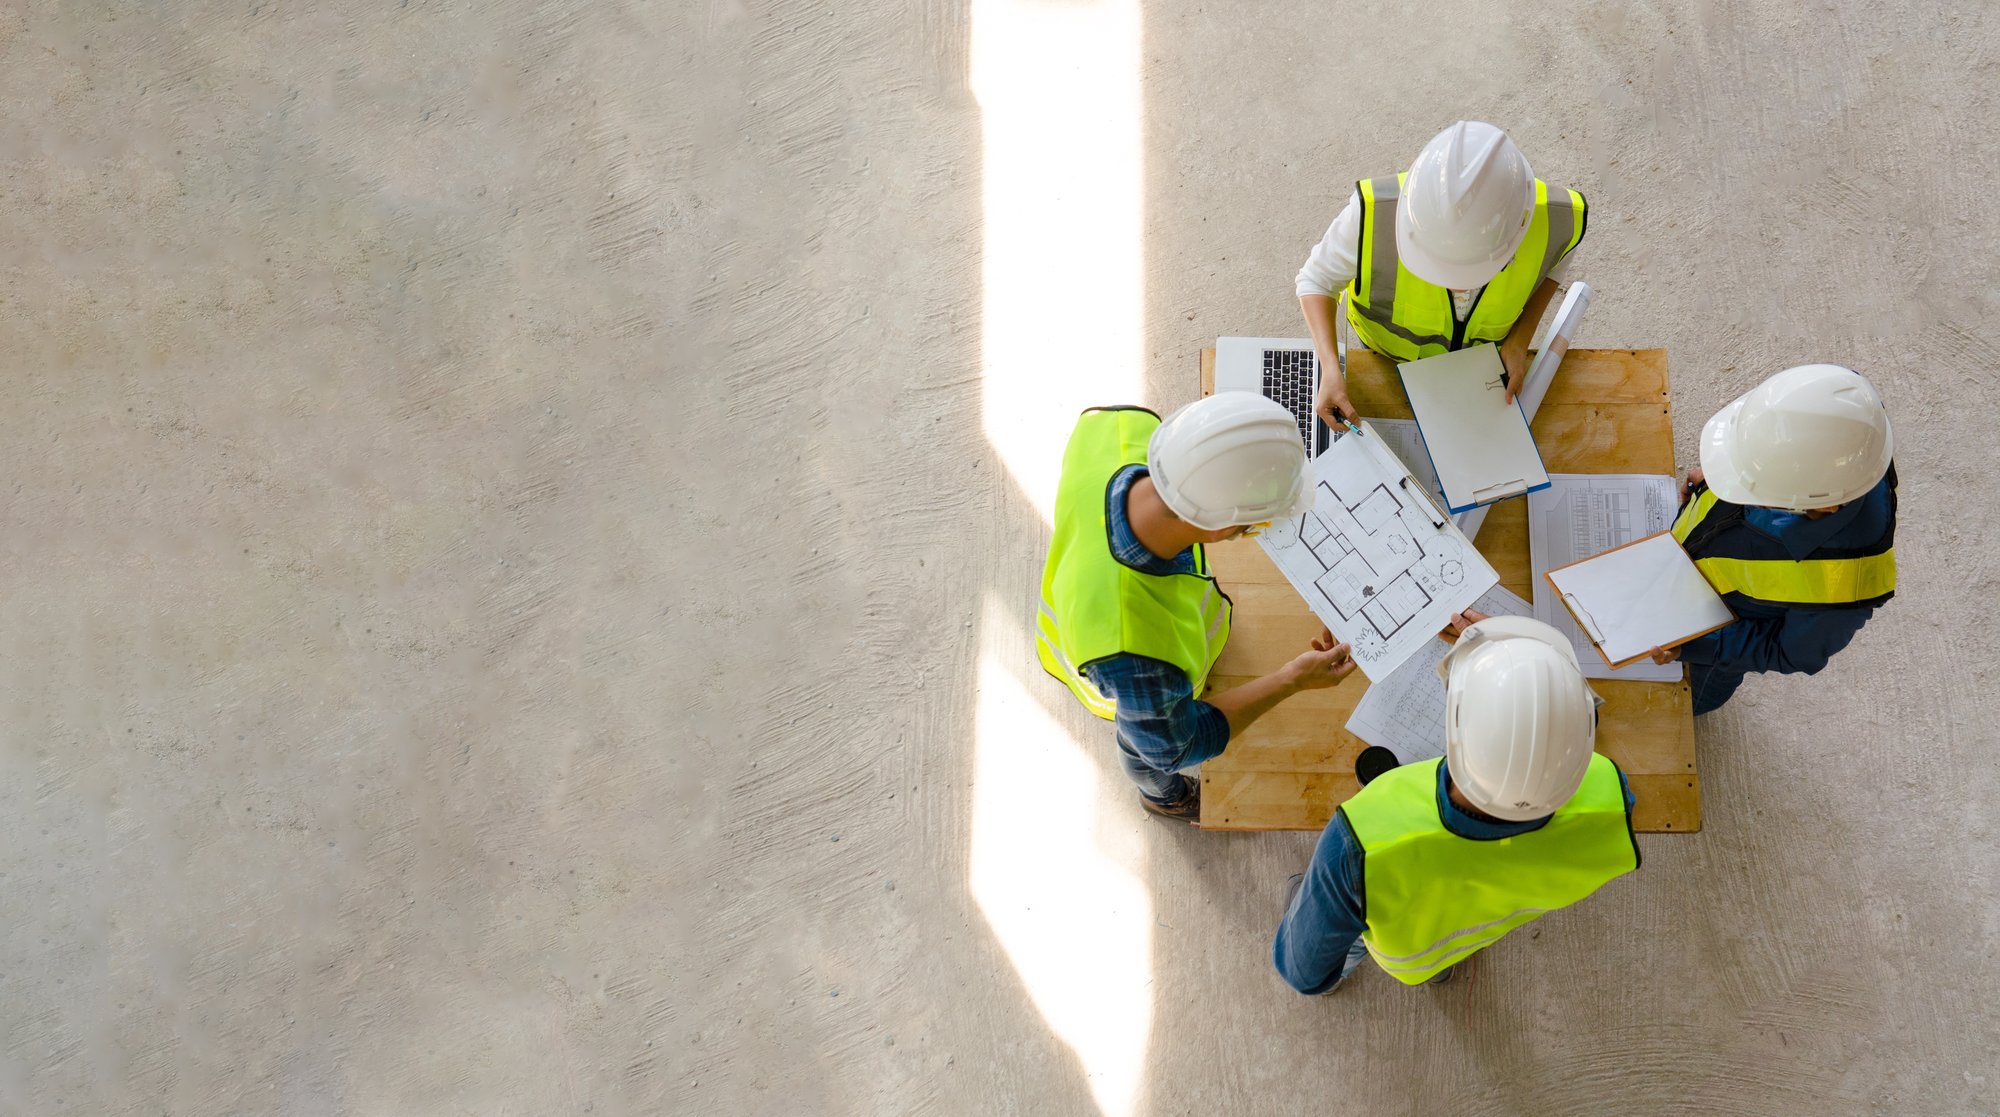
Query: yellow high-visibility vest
point(1093, 606)
point(1434, 898)
point(1404, 318)
point(1758, 567)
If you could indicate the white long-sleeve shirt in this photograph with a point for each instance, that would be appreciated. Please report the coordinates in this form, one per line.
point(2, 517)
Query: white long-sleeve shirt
point(1332, 263)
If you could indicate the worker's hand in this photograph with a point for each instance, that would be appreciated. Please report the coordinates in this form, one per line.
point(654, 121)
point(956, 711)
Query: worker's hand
point(1695, 477)
point(1515, 358)
point(1324, 641)
point(1321, 667)
point(1664, 656)
point(1332, 403)
point(1459, 623)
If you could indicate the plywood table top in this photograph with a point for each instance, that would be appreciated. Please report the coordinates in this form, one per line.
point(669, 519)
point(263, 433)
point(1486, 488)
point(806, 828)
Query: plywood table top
point(1606, 412)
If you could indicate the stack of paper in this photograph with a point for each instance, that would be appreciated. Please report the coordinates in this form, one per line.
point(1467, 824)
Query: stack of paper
point(1585, 514)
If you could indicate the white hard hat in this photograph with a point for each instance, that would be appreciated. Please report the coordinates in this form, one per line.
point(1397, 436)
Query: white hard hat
point(1465, 206)
point(1519, 720)
point(1810, 437)
point(1234, 458)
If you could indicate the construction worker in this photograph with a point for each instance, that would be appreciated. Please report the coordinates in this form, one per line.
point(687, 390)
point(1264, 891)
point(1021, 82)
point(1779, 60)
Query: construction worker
point(1131, 619)
point(1792, 518)
point(1466, 248)
point(1432, 862)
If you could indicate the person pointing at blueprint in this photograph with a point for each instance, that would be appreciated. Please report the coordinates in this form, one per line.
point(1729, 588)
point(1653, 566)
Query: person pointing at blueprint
point(1466, 248)
point(1131, 619)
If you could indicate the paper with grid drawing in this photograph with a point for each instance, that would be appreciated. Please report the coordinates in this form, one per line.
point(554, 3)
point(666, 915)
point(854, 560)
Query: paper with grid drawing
point(1375, 558)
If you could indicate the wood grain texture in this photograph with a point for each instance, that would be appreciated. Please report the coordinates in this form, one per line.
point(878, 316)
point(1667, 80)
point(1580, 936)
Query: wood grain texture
point(1606, 413)
point(1306, 801)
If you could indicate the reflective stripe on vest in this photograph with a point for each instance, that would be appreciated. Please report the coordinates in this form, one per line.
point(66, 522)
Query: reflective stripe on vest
point(1765, 572)
point(1404, 318)
point(1434, 898)
point(1094, 606)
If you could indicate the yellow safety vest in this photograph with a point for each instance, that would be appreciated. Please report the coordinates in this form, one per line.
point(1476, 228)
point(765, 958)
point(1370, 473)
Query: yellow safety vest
point(1434, 898)
point(1404, 318)
point(1093, 606)
point(1751, 563)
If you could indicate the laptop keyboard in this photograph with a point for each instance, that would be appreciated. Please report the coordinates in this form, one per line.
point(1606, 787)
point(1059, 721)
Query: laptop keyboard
point(1288, 378)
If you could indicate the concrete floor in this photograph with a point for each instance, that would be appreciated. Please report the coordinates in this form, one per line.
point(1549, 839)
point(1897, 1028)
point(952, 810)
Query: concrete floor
point(517, 602)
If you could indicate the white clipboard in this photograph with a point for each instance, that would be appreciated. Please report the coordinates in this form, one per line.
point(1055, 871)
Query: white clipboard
point(1647, 594)
point(1479, 443)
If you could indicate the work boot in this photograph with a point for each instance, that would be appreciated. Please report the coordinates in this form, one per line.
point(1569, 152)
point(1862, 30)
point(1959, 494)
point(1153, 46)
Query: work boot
point(1373, 761)
point(1187, 808)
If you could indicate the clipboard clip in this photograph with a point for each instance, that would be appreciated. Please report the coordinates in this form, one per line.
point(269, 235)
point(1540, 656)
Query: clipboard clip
point(1500, 490)
point(1584, 619)
point(1404, 482)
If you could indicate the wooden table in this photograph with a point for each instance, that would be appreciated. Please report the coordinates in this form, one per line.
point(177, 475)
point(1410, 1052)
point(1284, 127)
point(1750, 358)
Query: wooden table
point(1606, 413)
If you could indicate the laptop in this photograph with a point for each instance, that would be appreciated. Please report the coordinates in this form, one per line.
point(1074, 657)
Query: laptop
point(1284, 369)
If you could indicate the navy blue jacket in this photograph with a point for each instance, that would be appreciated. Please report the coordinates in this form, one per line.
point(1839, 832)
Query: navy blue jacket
point(1769, 636)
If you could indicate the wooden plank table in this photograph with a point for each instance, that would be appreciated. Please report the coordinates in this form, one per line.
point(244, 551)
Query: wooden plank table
point(1606, 412)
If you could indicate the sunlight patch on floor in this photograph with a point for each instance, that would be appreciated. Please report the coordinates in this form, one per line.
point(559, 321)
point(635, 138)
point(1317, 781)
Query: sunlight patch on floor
point(1072, 914)
point(1058, 89)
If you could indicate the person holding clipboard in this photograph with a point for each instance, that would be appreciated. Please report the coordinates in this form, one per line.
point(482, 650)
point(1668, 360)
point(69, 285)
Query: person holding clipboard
point(1792, 519)
point(1465, 248)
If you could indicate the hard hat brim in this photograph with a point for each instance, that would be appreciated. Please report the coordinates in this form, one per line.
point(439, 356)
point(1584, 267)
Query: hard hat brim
point(1446, 273)
point(1719, 468)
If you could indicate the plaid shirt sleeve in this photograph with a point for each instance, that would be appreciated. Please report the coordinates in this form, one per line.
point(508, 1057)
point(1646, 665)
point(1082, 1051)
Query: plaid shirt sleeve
point(1158, 714)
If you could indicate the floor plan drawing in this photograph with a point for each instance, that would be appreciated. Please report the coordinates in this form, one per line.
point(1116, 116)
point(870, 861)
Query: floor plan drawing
point(1375, 558)
point(1396, 604)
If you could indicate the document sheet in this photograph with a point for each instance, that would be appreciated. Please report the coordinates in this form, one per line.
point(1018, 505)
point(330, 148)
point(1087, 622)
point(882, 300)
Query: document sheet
point(1404, 713)
point(1375, 558)
point(1479, 443)
point(1585, 514)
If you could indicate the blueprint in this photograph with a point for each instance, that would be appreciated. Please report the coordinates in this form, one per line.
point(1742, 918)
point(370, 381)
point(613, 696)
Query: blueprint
point(1375, 559)
point(1404, 713)
point(1584, 514)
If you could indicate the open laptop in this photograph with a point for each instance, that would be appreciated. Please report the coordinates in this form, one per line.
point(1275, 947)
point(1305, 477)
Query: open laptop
point(1284, 369)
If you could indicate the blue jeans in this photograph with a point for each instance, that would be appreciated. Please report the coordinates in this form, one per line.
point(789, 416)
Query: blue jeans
point(1162, 787)
point(1309, 951)
point(1356, 954)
